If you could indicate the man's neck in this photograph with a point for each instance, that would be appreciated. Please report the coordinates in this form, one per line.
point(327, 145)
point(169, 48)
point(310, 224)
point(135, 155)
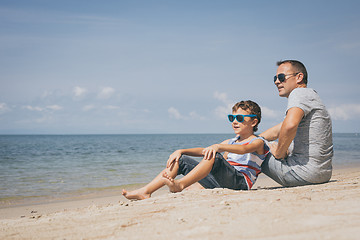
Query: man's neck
point(298, 86)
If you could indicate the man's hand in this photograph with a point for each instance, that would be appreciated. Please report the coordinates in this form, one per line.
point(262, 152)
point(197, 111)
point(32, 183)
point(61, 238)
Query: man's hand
point(273, 147)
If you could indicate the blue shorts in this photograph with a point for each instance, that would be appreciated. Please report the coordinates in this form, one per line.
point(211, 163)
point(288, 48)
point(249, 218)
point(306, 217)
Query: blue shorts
point(222, 174)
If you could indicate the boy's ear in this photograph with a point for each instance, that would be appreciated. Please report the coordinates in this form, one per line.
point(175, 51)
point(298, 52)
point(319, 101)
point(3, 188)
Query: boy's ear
point(255, 121)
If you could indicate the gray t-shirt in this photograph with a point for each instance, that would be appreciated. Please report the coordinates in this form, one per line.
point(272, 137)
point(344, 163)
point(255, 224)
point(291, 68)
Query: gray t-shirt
point(312, 155)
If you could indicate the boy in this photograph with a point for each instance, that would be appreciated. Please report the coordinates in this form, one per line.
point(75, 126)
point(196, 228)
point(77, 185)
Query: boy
point(237, 169)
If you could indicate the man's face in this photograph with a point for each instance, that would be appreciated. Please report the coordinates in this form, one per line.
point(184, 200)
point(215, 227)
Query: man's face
point(290, 83)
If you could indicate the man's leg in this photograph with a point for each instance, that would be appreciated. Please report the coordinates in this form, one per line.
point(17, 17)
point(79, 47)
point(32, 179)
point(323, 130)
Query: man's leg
point(281, 172)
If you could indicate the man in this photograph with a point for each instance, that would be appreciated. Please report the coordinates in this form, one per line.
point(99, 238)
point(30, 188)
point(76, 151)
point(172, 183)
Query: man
point(307, 124)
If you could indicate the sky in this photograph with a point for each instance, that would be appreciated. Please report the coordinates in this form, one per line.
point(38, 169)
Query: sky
point(143, 67)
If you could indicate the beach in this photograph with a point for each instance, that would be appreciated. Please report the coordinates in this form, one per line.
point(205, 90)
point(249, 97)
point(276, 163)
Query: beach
point(268, 211)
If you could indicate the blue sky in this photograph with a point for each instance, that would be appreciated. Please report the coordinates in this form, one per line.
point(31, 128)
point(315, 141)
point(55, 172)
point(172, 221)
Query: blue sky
point(81, 67)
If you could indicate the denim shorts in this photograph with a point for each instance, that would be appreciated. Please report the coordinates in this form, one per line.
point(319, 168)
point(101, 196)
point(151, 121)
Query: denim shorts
point(222, 174)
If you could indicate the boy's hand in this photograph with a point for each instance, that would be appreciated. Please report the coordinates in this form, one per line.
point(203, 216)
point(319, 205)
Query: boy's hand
point(210, 151)
point(174, 157)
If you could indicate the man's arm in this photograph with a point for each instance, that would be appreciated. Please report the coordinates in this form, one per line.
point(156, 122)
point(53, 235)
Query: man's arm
point(272, 133)
point(288, 131)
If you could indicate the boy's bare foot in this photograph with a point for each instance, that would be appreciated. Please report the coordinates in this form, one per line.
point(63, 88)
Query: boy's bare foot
point(137, 194)
point(174, 186)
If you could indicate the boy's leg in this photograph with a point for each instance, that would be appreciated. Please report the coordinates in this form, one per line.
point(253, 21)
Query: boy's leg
point(196, 174)
point(187, 164)
point(222, 175)
point(155, 184)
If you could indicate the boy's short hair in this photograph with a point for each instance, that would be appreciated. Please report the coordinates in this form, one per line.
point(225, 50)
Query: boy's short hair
point(250, 106)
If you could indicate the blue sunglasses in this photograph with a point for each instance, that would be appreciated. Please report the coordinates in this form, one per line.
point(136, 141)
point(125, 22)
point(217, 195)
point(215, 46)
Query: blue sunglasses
point(239, 118)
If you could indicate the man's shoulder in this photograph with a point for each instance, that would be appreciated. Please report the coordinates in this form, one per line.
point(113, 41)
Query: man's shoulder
point(304, 98)
point(304, 94)
point(303, 91)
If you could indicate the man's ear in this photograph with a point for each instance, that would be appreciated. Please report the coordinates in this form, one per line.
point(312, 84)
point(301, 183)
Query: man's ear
point(299, 78)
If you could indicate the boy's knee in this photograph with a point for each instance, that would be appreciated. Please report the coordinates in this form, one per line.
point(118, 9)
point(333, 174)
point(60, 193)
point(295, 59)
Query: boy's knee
point(183, 159)
point(186, 164)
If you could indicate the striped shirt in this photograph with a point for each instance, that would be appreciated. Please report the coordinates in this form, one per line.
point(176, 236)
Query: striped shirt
point(248, 164)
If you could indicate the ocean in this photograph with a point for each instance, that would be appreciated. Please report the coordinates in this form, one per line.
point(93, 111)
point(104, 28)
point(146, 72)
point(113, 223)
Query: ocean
point(53, 165)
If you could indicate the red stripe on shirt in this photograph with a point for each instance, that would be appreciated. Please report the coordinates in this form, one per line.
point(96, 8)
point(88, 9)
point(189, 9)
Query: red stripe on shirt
point(257, 171)
point(248, 180)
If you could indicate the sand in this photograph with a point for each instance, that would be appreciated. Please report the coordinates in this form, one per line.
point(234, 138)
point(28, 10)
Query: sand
point(325, 211)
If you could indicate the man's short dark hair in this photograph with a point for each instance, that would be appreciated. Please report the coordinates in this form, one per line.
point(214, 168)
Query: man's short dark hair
point(298, 66)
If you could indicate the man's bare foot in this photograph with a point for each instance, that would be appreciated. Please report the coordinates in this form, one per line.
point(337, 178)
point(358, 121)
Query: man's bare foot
point(137, 194)
point(174, 186)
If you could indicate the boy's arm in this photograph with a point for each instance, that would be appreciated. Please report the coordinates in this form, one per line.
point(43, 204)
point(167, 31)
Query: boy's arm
point(175, 156)
point(195, 152)
point(256, 146)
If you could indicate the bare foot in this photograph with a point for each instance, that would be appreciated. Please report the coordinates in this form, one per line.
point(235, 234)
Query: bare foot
point(174, 186)
point(138, 194)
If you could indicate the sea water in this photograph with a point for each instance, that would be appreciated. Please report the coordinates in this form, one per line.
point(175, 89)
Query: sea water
point(54, 165)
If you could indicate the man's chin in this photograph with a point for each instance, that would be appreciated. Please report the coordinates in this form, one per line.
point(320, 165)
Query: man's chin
point(282, 94)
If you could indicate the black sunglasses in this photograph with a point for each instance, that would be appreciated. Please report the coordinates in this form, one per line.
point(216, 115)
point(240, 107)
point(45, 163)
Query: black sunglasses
point(239, 118)
point(282, 76)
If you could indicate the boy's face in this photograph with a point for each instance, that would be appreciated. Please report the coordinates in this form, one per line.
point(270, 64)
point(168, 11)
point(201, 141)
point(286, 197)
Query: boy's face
point(246, 126)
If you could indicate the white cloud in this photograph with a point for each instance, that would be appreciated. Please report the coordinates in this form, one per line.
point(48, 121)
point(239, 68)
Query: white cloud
point(43, 119)
point(174, 113)
point(269, 113)
point(3, 108)
point(31, 108)
point(195, 115)
point(222, 97)
point(40, 109)
point(46, 94)
point(79, 91)
point(111, 107)
point(345, 112)
point(106, 93)
point(222, 111)
point(54, 107)
point(88, 107)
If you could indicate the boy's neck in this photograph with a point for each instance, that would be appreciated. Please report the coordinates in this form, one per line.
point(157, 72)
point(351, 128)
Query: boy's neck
point(246, 136)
